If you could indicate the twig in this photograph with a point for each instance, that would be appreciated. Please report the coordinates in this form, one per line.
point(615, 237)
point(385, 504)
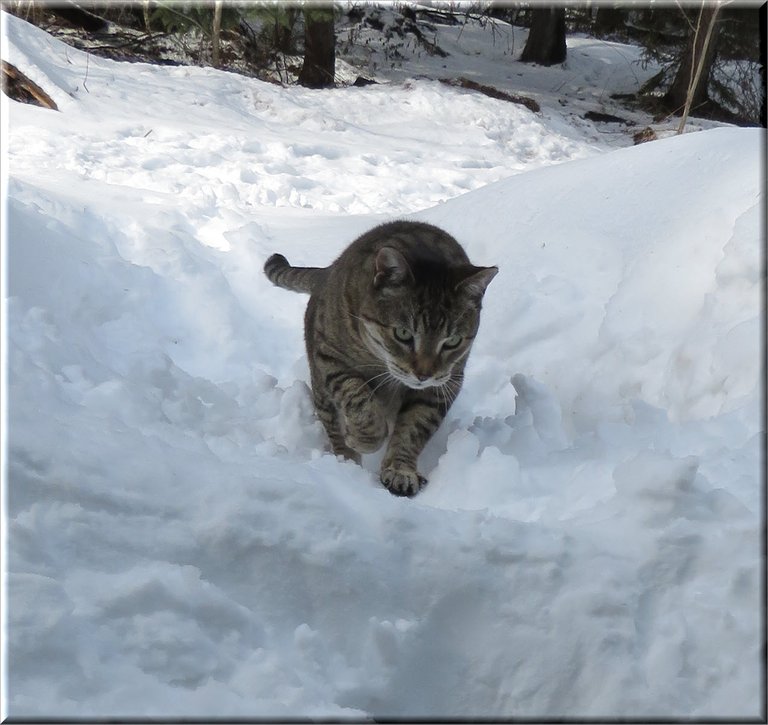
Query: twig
point(697, 64)
point(134, 41)
point(87, 66)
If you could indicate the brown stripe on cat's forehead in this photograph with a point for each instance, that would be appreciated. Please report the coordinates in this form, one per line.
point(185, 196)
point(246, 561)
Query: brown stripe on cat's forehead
point(431, 315)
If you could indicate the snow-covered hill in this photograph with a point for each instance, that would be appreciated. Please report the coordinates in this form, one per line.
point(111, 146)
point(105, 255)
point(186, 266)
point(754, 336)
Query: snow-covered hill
point(179, 543)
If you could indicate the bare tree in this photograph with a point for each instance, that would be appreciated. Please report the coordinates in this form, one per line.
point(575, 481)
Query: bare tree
point(216, 34)
point(689, 87)
point(319, 67)
point(546, 40)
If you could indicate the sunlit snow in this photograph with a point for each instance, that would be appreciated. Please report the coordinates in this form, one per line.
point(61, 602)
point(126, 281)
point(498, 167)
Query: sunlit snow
point(179, 542)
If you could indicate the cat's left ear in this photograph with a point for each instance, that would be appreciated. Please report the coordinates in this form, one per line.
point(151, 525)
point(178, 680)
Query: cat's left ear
point(476, 282)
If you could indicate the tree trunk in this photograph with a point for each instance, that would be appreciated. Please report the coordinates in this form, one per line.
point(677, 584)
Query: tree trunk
point(609, 19)
point(216, 34)
point(145, 14)
point(689, 87)
point(763, 116)
point(319, 66)
point(546, 40)
point(285, 19)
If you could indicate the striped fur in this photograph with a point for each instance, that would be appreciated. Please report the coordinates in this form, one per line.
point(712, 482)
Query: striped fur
point(297, 279)
point(388, 329)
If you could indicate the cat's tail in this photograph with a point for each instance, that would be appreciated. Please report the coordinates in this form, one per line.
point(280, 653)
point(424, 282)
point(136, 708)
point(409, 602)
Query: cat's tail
point(297, 279)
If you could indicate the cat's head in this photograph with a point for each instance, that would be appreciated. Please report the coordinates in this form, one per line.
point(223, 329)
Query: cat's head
point(420, 317)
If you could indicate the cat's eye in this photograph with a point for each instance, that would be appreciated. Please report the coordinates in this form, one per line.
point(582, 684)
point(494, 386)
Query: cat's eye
point(452, 342)
point(403, 334)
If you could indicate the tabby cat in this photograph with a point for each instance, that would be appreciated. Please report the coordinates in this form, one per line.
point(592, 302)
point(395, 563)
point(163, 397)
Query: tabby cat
point(388, 329)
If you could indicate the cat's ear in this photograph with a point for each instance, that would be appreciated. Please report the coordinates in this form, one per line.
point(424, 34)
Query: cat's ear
point(391, 269)
point(476, 281)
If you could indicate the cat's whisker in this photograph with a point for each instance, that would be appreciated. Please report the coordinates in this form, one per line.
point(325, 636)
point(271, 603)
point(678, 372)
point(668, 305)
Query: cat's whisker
point(451, 388)
point(443, 397)
point(393, 390)
point(370, 380)
point(389, 380)
point(356, 317)
point(448, 394)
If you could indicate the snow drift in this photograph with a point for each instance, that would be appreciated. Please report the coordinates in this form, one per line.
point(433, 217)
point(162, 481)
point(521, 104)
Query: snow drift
point(179, 542)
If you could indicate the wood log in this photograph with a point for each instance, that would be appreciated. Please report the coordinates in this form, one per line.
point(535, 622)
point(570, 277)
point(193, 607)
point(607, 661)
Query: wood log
point(20, 88)
point(490, 91)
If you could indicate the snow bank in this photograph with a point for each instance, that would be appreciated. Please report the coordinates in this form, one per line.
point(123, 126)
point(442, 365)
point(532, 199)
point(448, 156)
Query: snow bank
point(179, 543)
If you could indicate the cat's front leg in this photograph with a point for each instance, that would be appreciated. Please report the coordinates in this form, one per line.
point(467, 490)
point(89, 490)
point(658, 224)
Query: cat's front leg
point(329, 416)
point(353, 416)
point(364, 420)
point(419, 417)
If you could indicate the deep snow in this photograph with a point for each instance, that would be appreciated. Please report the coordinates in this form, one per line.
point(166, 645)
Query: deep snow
point(179, 543)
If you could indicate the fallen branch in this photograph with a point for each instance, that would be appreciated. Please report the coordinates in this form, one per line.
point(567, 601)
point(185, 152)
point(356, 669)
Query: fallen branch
point(20, 88)
point(492, 92)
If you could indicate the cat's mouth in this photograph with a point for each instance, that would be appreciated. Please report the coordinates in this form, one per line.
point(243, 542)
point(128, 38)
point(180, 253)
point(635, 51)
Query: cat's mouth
point(412, 381)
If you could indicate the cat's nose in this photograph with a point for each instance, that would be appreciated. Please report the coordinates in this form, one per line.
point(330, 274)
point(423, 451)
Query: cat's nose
point(422, 368)
point(423, 373)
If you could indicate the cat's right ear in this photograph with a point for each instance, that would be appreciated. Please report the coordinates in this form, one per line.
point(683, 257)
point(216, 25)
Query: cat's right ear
point(391, 269)
point(476, 281)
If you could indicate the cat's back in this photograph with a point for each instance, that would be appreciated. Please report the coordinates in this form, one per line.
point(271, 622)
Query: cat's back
point(417, 241)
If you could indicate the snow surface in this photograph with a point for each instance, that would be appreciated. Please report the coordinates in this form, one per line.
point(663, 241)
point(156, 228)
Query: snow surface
point(178, 541)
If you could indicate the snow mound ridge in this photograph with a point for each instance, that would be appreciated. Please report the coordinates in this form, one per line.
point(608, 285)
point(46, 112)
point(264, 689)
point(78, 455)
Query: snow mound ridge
point(181, 544)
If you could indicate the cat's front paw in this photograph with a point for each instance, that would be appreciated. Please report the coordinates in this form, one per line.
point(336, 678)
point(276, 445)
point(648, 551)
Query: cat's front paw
point(402, 481)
